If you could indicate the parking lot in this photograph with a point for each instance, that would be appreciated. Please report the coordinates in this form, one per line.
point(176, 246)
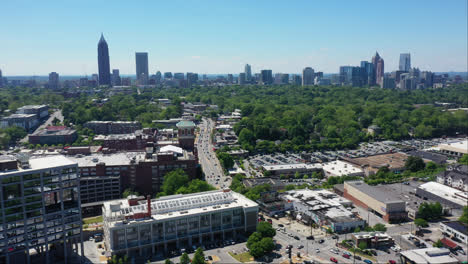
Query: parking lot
point(365, 149)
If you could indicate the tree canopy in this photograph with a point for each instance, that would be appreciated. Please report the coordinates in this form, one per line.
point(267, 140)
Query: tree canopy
point(178, 182)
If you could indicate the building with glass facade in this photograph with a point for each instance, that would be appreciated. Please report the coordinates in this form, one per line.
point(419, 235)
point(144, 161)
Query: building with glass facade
point(139, 227)
point(40, 210)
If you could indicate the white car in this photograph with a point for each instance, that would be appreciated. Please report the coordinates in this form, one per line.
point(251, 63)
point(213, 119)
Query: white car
point(317, 250)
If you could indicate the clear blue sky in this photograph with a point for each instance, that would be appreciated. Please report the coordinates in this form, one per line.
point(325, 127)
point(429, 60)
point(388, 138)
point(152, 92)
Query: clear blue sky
point(38, 37)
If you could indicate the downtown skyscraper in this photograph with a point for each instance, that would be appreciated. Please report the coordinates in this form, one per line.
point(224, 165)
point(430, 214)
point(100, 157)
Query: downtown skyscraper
point(141, 62)
point(379, 70)
point(308, 76)
point(103, 62)
point(248, 72)
point(405, 62)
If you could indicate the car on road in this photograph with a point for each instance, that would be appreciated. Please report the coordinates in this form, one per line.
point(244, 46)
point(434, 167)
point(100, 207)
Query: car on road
point(332, 259)
point(289, 246)
point(335, 237)
point(321, 241)
point(310, 238)
point(367, 261)
point(297, 238)
point(317, 250)
point(280, 225)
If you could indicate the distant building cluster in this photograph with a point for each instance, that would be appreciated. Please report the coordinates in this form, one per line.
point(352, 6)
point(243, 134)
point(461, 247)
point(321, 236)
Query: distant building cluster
point(27, 117)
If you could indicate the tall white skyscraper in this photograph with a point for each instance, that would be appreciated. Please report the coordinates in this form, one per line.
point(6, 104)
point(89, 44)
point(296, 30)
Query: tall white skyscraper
point(405, 62)
point(248, 73)
point(308, 76)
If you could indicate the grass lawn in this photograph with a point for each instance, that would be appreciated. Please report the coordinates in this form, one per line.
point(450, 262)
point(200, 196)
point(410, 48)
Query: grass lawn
point(92, 220)
point(242, 257)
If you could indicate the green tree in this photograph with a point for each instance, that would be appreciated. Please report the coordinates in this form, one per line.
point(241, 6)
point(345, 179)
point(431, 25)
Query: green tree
point(431, 166)
point(267, 244)
point(127, 192)
point(464, 159)
point(362, 245)
point(184, 259)
point(168, 261)
point(265, 229)
point(357, 230)
point(225, 159)
point(198, 257)
point(414, 164)
point(173, 181)
point(254, 238)
point(464, 217)
point(420, 222)
point(438, 244)
point(380, 227)
point(430, 211)
point(256, 250)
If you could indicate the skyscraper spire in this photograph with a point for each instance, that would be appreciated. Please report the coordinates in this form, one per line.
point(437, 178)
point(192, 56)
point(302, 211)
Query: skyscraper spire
point(103, 62)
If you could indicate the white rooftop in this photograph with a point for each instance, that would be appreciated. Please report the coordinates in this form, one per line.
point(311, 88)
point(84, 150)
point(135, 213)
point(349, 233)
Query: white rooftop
point(340, 168)
point(44, 163)
point(114, 159)
point(430, 255)
point(171, 148)
point(176, 205)
point(457, 146)
point(293, 166)
point(446, 192)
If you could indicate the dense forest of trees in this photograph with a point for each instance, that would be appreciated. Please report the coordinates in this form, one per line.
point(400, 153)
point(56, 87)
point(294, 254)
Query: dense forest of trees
point(280, 118)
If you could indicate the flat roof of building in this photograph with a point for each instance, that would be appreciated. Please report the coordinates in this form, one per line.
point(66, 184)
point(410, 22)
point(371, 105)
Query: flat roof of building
point(457, 146)
point(458, 226)
point(430, 255)
point(341, 168)
point(293, 166)
point(377, 194)
point(392, 160)
point(446, 192)
point(331, 204)
point(49, 132)
point(32, 107)
point(114, 159)
point(20, 116)
point(172, 206)
point(38, 163)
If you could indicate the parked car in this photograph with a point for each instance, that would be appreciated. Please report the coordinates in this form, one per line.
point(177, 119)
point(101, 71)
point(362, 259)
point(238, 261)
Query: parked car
point(332, 259)
point(391, 261)
point(367, 261)
point(321, 241)
point(310, 238)
point(357, 257)
point(297, 238)
point(346, 256)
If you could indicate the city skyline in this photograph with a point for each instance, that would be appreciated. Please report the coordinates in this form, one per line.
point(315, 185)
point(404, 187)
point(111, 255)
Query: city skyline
point(317, 40)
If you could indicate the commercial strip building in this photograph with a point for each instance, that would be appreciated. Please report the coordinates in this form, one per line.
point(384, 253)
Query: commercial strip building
point(341, 168)
point(448, 196)
point(323, 208)
point(454, 149)
point(427, 255)
point(275, 183)
point(40, 210)
point(455, 229)
point(148, 227)
point(371, 164)
point(384, 204)
point(291, 169)
point(377, 240)
point(113, 127)
point(53, 135)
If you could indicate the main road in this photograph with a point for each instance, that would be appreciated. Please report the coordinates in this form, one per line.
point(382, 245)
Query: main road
point(214, 173)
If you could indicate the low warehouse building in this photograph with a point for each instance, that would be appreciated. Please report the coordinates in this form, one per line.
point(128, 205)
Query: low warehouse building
point(443, 194)
point(323, 208)
point(384, 204)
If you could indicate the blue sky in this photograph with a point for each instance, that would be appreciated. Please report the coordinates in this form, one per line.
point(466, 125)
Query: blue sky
point(38, 37)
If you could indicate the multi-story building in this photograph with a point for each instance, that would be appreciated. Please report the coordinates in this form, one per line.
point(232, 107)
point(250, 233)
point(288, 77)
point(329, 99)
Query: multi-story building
point(388, 83)
point(145, 227)
point(103, 63)
point(456, 229)
point(456, 176)
point(40, 208)
point(367, 71)
point(130, 142)
point(41, 111)
point(116, 80)
point(296, 80)
point(26, 121)
point(378, 64)
point(384, 204)
point(242, 78)
point(266, 77)
point(323, 208)
point(53, 81)
point(373, 240)
point(248, 73)
point(308, 76)
point(405, 62)
point(54, 135)
point(430, 255)
point(141, 62)
point(113, 127)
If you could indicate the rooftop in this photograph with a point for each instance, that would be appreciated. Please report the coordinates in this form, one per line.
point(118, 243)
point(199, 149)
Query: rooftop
point(36, 107)
point(378, 194)
point(430, 255)
point(175, 205)
point(54, 132)
point(392, 160)
point(185, 123)
point(42, 163)
point(114, 159)
point(457, 146)
point(293, 166)
point(446, 192)
point(20, 116)
point(341, 168)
